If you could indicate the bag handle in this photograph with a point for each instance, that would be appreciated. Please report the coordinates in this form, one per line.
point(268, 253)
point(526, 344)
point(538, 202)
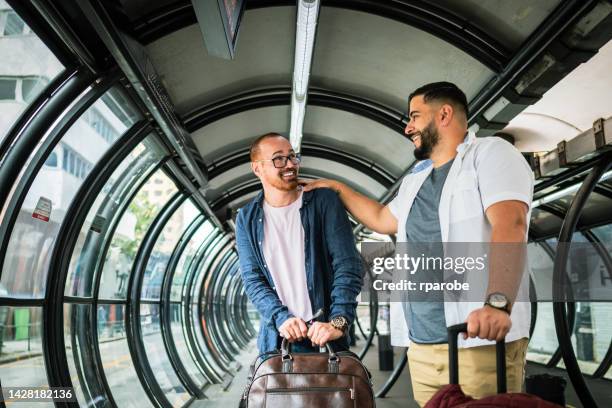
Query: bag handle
point(287, 359)
point(453, 357)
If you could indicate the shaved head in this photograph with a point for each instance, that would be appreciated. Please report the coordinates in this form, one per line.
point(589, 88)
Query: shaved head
point(254, 151)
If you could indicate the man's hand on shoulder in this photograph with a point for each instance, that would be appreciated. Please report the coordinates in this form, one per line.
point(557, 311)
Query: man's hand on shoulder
point(308, 185)
point(293, 329)
point(320, 333)
point(488, 323)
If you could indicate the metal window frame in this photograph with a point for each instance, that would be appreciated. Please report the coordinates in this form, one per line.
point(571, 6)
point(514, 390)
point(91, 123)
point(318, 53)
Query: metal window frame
point(132, 313)
point(194, 347)
point(48, 139)
point(201, 262)
point(166, 308)
point(99, 268)
point(206, 290)
point(55, 351)
point(560, 270)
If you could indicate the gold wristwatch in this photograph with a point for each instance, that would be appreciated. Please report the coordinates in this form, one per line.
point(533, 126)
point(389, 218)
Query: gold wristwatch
point(340, 323)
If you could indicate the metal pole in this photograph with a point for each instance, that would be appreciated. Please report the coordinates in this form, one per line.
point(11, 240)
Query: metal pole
point(560, 269)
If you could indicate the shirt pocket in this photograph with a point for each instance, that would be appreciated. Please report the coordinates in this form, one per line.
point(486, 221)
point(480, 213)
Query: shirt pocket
point(466, 202)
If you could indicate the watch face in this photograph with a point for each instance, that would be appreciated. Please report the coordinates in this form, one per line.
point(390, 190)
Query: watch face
point(338, 322)
point(498, 300)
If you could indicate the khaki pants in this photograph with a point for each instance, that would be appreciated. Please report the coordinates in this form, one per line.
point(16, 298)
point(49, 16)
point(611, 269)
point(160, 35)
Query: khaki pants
point(477, 372)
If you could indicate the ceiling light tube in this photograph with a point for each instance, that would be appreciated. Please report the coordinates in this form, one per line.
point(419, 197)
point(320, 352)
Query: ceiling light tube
point(307, 16)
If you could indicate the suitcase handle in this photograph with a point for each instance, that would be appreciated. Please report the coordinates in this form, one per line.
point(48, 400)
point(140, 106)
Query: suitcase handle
point(453, 357)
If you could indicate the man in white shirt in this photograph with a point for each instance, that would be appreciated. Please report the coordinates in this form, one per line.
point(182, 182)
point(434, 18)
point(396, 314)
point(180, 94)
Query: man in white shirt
point(463, 189)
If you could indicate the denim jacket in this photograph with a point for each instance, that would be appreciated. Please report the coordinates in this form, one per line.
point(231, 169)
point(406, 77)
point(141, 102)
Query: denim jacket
point(334, 271)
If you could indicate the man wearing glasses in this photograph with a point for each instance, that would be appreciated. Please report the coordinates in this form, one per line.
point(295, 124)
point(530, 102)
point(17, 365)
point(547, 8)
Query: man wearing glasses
point(297, 255)
point(462, 190)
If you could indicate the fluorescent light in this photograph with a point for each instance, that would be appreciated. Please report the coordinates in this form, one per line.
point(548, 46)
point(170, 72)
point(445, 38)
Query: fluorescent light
point(306, 28)
point(566, 191)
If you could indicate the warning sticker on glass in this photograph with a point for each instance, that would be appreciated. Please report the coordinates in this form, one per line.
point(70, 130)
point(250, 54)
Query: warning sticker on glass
point(42, 210)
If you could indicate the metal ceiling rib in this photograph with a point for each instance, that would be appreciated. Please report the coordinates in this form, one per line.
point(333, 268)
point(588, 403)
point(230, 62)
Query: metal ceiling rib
point(357, 162)
point(428, 17)
point(281, 96)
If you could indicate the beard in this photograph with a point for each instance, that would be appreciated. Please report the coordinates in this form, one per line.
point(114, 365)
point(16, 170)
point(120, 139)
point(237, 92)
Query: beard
point(283, 184)
point(429, 139)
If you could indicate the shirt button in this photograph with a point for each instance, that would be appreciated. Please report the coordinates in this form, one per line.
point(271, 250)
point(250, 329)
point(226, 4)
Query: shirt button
point(259, 242)
point(310, 288)
point(260, 220)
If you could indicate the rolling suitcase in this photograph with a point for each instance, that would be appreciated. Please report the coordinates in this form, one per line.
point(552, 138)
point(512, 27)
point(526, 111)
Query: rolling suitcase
point(305, 380)
point(451, 395)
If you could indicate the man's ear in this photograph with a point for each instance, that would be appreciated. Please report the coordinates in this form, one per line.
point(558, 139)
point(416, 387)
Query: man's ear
point(446, 114)
point(255, 168)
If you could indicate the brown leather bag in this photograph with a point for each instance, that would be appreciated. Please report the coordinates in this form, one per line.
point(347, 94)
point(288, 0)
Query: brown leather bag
point(301, 380)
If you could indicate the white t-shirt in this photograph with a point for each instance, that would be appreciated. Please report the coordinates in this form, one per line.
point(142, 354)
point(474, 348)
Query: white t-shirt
point(283, 248)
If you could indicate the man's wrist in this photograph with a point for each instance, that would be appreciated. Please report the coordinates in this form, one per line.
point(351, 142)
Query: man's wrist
point(499, 301)
point(340, 323)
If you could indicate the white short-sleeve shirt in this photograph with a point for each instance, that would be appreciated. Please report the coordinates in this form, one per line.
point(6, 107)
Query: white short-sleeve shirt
point(484, 172)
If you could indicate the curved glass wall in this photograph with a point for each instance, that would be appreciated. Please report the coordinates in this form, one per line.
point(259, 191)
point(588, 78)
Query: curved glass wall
point(544, 341)
point(103, 213)
point(167, 241)
point(25, 269)
point(118, 366)
point(591, 334)
point(131, 228)
point(82, 320)
point(179, 336)
point(21, 348)
point(150, 323)
point(26, 67)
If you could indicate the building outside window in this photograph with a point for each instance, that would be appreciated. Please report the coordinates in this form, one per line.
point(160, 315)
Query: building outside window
point(11, 24)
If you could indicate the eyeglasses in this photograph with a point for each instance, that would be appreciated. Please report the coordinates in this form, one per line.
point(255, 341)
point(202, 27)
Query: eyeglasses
point(281, 161)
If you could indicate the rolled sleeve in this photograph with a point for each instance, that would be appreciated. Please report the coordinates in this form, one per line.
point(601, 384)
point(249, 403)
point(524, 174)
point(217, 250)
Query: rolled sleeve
point(503, 174)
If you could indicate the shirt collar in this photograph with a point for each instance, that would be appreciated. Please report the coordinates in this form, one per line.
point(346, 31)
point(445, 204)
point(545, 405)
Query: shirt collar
point(467, 141)
point(306, 197)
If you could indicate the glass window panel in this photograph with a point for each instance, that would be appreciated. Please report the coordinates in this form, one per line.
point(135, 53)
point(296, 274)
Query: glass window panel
point(51, 160)
point(7, 89)
point(169, 237)
point(31, 87)
point(186, 258)
point(13, 24)
point(79, 341)
point(115, 192)
point(184, 352)
point(21, 348)
point(158, 358)
point(44, 208)
point(21, 56)
point(118, 367)
point(544, 341)
point(127, 238)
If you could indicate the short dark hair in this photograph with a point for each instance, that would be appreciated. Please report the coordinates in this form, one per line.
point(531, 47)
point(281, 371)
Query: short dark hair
point(442, 92)
point(254, 149)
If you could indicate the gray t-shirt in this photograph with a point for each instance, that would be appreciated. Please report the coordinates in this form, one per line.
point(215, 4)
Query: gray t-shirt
point(425, 319)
